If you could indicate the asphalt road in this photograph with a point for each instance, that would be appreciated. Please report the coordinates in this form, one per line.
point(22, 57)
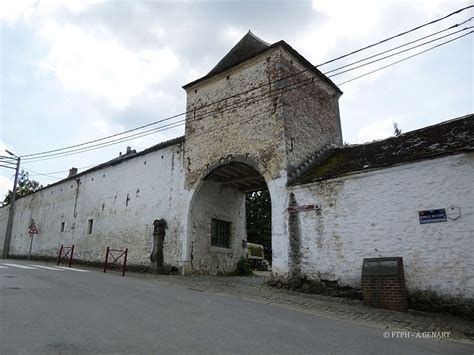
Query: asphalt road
point(50, 311)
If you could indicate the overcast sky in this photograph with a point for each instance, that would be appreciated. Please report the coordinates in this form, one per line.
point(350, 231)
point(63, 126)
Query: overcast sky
point(76, 70)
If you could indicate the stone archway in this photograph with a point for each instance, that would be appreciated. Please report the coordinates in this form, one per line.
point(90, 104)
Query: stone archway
point(217, 222)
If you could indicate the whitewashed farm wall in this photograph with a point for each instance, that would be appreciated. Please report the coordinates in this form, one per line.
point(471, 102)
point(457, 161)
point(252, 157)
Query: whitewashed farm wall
point(3, 225)
point(123, 200)
point(375, 214)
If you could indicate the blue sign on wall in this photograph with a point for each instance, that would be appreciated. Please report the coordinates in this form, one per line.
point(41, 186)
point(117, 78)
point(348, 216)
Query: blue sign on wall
point(432, 216)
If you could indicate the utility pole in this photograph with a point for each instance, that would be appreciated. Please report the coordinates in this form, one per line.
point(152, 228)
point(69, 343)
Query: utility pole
point(8, 162)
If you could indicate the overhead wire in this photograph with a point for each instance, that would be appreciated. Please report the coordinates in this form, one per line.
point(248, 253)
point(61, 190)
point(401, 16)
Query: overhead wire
point(57, 172)
point(309, 82)
point(248, 118)
point(266, 96)
point(403, 45)
point(255, 88)
point(400, 34)
point(399, 52)
point(406, 58)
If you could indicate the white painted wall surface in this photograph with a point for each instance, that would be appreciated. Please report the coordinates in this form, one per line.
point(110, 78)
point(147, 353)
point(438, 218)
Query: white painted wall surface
point(279, 197)
point(3, 225)
point(123, 200)
point(375, 214)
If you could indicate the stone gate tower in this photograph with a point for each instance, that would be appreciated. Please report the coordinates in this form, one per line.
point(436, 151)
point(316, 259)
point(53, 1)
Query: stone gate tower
point(262, 106)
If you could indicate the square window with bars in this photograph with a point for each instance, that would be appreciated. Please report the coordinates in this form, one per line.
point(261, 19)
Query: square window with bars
point(220, 233)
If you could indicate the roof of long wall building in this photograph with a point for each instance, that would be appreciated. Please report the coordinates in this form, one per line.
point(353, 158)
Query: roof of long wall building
point(115, 161)
point(449, 137)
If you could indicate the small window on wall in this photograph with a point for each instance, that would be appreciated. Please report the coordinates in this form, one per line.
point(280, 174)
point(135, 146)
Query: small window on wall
point(90, 224)
point(220, 233)
point(63, 226)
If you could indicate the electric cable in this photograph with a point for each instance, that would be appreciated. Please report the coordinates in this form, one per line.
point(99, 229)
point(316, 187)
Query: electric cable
point(255, 88)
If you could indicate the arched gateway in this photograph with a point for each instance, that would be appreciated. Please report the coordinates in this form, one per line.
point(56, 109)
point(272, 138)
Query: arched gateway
point(264, 117)
point(247, 131)
point(217, 220)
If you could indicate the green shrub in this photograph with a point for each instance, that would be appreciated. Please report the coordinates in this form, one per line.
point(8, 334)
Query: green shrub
point(243, 268)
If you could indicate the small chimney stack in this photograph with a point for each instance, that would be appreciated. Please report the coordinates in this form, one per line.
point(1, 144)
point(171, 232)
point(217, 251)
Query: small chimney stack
point(129, 150)
point(72, 172)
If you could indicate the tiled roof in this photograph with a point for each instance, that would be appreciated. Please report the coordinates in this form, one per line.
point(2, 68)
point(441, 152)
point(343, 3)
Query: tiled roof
point(445, 138)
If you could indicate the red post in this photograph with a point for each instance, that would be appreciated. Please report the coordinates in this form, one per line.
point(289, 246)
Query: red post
point(60, 252)
point(125, 262)
point(72, 252)
point(106, 258)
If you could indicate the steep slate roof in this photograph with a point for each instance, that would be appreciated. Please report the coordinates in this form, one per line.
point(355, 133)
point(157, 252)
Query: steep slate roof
point(248, 47)
point(251, 46)
point(445, 138)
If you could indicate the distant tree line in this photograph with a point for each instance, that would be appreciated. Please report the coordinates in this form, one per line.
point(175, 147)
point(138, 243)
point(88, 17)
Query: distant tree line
point(25, 186)
point(259, 220)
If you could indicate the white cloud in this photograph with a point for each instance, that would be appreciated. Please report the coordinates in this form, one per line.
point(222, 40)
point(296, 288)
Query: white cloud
point(6, 183)
point(6, 175)
point(94, 63)
point(341, 19)
point(376, 130)
point(13, 11)
point(232, 34)
point(105, 128)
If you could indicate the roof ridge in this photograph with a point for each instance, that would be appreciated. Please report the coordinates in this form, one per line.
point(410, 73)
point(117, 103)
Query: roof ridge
point(441, 139)
point(257, 38)
point(310, 161)
point(247, 47)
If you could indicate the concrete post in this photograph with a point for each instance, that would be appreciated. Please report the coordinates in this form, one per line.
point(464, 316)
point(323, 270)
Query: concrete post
point(8, 234)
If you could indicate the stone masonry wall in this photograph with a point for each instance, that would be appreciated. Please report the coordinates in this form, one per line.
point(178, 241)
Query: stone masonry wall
point(311, 112)
point(213, 201)
point(123, 200)
point(247, 124)
point(375, 214)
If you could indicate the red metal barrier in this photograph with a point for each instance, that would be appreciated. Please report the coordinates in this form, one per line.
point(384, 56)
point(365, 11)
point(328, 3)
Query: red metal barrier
point(123, 253)
point(64, 252)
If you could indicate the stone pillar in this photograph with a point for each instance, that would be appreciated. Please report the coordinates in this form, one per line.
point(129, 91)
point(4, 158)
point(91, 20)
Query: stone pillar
point(156, 257)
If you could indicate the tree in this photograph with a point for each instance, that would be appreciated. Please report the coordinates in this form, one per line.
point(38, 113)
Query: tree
point(259, 220)
point(24, 187)
point(396, 129)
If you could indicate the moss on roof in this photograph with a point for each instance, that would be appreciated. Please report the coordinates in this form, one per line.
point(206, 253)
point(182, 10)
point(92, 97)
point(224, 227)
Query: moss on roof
point(441, 139)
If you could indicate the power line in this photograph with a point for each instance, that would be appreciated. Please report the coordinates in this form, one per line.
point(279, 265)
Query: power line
point(236, 104)
point(399, 35)
point(106, 144)
point(252, 89)
point(400, 46)
point(175, 124)
point(396, 53)
point(402, 60)
point(35, 173)
point(8, 180)
point(57, 172)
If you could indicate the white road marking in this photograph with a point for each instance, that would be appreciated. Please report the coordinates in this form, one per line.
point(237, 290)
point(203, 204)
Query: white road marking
point(47, 267)
point(72, 269)
point(21, 266)
point(3, 267)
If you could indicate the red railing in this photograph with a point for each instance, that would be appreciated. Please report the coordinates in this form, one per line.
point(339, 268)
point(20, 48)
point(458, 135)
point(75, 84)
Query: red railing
point(116, 259)
point(64, 252)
